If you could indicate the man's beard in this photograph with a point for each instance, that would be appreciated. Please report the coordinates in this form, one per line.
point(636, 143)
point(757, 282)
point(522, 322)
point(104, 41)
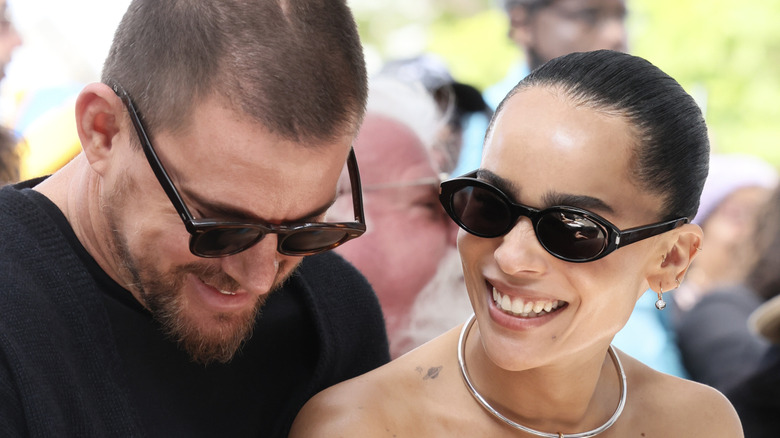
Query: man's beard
point(222, 334)
point(162, 293)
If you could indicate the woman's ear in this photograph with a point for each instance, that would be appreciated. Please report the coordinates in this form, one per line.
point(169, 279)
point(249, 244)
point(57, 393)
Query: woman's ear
point(678, 253)
point(98, 121)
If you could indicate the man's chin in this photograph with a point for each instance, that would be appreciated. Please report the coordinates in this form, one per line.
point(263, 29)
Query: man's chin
point(207, 337)
point(216, 338)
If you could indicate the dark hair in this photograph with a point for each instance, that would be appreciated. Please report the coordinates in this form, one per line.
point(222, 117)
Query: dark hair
point(296, 67)
point(671, 157)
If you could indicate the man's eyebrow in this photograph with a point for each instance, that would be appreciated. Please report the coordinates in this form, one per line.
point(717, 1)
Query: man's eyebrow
point(222, 210)
point(550, 199)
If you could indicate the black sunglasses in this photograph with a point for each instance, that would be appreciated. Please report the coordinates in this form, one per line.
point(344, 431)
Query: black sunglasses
point(568, 233)
point(212, 238)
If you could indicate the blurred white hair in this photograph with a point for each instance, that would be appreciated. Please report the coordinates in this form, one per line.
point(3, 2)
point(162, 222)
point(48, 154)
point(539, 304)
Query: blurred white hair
point(441, 305)
point(408, 103)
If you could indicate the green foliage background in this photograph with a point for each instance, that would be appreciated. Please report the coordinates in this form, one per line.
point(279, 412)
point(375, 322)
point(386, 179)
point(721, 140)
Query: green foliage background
point(724, 52)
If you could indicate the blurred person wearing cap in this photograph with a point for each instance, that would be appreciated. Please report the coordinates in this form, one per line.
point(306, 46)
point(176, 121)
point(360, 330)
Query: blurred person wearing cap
point(543, 30)
point(735, 272)
point(408, 233)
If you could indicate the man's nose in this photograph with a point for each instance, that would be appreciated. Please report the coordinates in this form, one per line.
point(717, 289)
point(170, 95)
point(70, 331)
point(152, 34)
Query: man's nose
point(255, 268)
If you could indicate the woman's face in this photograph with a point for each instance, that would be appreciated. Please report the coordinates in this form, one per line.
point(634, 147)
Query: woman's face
point(545, 151)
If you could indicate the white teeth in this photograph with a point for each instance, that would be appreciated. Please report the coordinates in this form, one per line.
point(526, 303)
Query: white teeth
point(518, 306)
point(226, 292)
point(506, 303)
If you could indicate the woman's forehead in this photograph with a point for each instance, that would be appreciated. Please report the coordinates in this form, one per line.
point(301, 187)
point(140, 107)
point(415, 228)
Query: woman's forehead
point(545, 144)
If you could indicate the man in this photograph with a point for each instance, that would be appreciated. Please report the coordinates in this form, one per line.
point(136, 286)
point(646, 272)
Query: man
point(543, 30)
point(155, 285)
point(408, 232)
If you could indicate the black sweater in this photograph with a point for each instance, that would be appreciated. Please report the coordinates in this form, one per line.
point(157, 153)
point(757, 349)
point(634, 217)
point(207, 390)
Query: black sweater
point(78, 357)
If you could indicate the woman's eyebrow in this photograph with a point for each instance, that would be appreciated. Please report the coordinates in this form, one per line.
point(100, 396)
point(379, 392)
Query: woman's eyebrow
point(581, 201)
point(503, 184)
point(550, 199)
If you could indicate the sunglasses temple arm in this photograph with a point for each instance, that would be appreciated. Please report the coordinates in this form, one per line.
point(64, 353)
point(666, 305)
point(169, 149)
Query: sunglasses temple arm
point(635, 235)
point(357, 191)
point(154, 160)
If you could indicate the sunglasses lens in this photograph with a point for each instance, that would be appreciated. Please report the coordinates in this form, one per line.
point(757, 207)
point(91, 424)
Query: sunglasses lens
point(481, 211)
point(311, 241)
point(571, 235)
point(224, 241)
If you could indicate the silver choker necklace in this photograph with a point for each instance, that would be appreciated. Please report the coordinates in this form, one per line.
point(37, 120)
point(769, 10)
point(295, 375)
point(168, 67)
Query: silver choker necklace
point(462, 362)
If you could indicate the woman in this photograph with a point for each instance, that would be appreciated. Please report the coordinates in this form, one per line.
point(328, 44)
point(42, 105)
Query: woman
point(584, 142)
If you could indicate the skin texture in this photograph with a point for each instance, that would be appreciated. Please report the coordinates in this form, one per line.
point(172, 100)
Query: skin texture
point(551, 373)
point(568, 26)
point(408, 232)
point(123, 218)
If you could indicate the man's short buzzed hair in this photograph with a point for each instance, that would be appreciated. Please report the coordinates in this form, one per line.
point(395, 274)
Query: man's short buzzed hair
point(297, 67)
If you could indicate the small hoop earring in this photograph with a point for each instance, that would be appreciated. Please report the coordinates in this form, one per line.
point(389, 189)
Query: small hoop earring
point(660, 304)
point(676, 280)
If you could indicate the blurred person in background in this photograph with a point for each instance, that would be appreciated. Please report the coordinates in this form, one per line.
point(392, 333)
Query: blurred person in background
point(735, 273)
point(408, 233)
point(9, 157)
point(457, 101)
point(543, 30)
point(9, 38)
point(756, 397)
point(737, 187)
point(9, 150)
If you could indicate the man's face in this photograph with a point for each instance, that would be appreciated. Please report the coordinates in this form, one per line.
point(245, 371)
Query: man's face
point(567, 26)
point(407, 229)
point(228, 168)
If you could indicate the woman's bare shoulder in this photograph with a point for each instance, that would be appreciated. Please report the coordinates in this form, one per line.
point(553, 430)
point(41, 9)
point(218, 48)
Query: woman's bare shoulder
point(377, 404)
point(672, 406)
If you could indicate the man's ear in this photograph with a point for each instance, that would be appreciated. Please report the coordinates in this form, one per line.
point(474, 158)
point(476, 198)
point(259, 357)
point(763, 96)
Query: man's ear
point(519, 26)
point(678, 253)
point(99, 114)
